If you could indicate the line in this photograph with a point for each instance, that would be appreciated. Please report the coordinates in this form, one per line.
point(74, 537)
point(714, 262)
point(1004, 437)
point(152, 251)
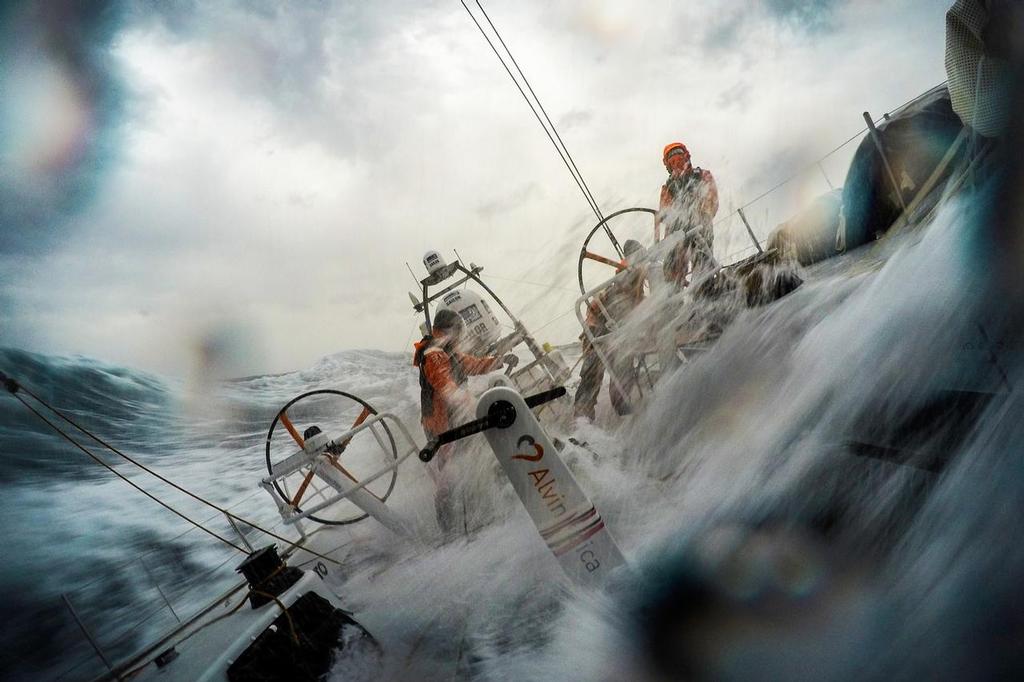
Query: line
point(536, 284)
point(125, 478)
point(561, 155)
point(151, 472)
point(836, 149)
point(993, 358)
point(544, 111)
point(552, 321)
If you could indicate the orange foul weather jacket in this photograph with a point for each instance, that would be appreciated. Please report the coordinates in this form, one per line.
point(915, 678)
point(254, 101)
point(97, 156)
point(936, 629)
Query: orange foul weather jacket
point(442, 371)
point(687, 200)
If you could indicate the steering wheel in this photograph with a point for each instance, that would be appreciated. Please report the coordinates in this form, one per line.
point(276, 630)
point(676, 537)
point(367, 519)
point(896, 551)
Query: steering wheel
point(325, 407)
point(606, 250)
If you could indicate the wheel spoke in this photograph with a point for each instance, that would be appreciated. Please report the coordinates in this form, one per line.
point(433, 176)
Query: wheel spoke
point(359, 420)
point(291, 430)
point(336, 465)
point(302, 488)
point(601, 259)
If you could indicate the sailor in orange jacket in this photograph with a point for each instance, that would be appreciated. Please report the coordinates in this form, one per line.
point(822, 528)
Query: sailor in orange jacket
point(444, 402)
point(688, 202)
point(443, 373)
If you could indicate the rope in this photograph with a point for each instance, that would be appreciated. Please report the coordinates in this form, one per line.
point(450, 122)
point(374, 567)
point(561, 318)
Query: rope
point(177, 537)
point(409, 340)
point(833, 151)
point(124, 478)
point(543, 111)
point(552, 321)
point(536, 284)
point(530, 104)
point(233, 611)
point(570, 165)
point(13, 386)
point(745, 249)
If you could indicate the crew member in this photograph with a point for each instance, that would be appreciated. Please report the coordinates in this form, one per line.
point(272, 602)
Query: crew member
point(618, 300)
point(443, 373)
point(444, 401)
point(689, 202)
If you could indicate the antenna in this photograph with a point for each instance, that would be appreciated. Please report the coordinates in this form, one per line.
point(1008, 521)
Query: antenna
point(412, 274)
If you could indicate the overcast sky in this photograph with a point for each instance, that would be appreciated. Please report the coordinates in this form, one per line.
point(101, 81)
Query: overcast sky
point(253, 176)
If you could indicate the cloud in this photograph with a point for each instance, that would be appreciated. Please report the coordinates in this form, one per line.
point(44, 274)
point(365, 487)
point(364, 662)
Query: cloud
point(736, 96)
point(741, 32)
point(510, 202)
point(724, 33)
point(576, 117)
point(814, 16)
point(277, 165)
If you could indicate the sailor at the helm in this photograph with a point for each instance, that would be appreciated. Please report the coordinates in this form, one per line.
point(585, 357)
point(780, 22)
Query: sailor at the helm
point(618, 300)
point(444, 400)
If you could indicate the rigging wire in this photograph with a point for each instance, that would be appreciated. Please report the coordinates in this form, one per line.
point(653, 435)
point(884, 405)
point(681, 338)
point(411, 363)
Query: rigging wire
point(124, 478)
point(828, 154)
point(553, 320)
point(746, 249)
point(818, 162)
point(792, 177)
point(566, 156)
point(526, 281)
point(542, 109)
point(562, 154)
point(17, 386)
point(140, 557)
point(409, 339)
point(125, 564)
point(241, 602)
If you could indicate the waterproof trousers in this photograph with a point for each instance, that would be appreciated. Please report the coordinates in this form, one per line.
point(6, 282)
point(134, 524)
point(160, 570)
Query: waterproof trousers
point(591, 376)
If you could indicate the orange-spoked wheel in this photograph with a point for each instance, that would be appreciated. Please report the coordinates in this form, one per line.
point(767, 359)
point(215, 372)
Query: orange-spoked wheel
point(601, 255)
point(356, 457)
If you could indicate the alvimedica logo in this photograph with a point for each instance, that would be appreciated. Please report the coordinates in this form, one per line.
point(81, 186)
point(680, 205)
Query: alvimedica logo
point(538, 449)
point(543, 480)
point(547, 488)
